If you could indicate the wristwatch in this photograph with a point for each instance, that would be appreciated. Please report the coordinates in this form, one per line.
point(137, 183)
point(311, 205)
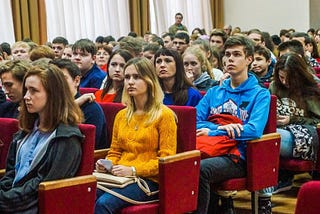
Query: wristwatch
point(134, 172)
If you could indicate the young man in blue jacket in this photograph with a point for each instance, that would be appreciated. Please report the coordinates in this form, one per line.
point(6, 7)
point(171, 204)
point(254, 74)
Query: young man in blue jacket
point(240, 96)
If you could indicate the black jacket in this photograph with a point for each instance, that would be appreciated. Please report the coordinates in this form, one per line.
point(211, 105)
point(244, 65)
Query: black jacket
point(60, 160)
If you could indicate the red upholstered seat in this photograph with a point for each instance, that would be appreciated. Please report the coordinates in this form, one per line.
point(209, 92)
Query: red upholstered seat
point(73, 195)
point(185, 165)
point(308, 198)
point(9, 126)
point(87, 90)
point(262, 161)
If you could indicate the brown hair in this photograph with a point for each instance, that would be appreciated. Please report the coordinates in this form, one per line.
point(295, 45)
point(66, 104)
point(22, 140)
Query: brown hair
point(60, 106)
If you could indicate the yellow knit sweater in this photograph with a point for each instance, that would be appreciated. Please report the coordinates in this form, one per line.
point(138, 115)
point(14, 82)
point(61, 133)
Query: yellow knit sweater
point(137, 145)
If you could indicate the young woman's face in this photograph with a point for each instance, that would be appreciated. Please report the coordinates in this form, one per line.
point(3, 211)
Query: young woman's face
point(192, 66)
point(283, 78)
point(135, 86)
point(115, 68)
point(165, 67)
point(36, 95)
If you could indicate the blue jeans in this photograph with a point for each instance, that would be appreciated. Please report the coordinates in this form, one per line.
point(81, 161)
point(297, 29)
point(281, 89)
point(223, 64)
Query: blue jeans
point(216, 170)
point(107, 203)
point(287, 143)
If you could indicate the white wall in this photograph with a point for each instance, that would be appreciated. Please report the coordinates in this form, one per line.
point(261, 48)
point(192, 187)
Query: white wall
point(268, 15)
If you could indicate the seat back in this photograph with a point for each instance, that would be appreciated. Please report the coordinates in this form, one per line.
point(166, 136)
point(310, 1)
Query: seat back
point(9, 126)
point(308, 198)
point(271, 125)
point(186, 132)
point(110, 111)
point(87, 90)
point(87, 159)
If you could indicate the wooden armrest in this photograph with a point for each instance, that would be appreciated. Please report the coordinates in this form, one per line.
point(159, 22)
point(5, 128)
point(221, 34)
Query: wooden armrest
point(265, 137)
point(100, 154)
point(179, 156)
point(61, 183)
point(2, 172)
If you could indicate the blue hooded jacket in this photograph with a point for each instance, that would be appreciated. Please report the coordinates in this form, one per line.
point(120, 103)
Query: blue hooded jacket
point(249, 101)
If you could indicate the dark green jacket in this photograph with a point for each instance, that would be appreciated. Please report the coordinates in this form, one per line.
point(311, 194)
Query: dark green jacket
point(60, 160)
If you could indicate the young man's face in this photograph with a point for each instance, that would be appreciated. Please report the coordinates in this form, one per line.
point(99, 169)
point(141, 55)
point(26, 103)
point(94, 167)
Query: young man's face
point(236, 62)
point(216, 41)
point(12, 87)
point(58, 50)
point(260, 64)
point(180, 45)
point(167, 42)
point(178, 19)
point(256, 38)
point(83, 60)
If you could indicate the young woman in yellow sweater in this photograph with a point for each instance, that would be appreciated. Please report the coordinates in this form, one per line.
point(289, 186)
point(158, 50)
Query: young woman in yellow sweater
point(143, 132)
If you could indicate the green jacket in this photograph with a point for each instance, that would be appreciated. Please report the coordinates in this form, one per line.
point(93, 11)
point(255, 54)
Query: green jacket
point(174, 28)
point(60, 160)
point(310, 115)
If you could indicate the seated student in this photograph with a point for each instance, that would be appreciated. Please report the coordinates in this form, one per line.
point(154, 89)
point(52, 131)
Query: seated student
point(58, 45)
point(152, 131)
point(261, 64)
point(198, 69)
point(21, 50)
point(103, 55)
point(112, 86)
point(84, 54)
point(181, 41)
point(11, 75)
point(298, 105)
point(93, 114)
point(242, 97)
point(48, 145)
point(178, 90)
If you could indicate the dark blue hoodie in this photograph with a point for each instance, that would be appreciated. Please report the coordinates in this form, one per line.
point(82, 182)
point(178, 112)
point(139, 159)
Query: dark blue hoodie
point(249, 101)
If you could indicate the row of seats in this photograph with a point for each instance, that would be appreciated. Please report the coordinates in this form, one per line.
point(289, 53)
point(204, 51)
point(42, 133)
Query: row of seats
point(76, 195)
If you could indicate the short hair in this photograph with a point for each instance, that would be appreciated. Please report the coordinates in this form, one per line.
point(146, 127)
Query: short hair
point(71, 67)
point(219, 32)
point(276, 39)
point(133, 34)
point(248, 45)
point(168, 34)
point(108, 39)
point(178, 14)
point(60, 106)
point(256, 31)
point(158, 40)
point(283, 32)
point(5, 46)
point(293, 46)
point(105, 47)
point(85, 45)
point(306, 36)
point(182, 35)
point(41, 51)
point(99, 39)
point(152, 47)
point(60, 40)
point(18, 68)
point(21, 44)
point(258, 49)
point(132, 44)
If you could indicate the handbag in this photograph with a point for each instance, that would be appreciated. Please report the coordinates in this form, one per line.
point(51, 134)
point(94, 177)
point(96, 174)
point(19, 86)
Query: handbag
point(112, 181)
point(106, 181)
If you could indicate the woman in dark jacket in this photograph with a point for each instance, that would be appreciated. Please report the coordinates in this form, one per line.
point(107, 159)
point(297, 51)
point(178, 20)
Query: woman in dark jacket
point(48, 145)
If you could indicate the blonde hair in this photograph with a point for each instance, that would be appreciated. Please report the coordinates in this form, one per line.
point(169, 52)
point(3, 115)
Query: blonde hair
point(205, 64)
point(154, 91)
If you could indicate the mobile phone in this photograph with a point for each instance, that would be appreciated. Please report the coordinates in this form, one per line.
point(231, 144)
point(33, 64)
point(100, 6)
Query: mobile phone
point(106, 163)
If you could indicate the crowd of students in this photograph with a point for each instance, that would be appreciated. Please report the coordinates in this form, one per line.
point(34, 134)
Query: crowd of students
point(226, 71)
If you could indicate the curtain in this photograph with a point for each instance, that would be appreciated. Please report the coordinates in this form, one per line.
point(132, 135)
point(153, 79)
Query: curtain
point(217, 13)
point(29, 20)
point(139, 16)
point(195, 14)
point(76, 19)
point(6, 22)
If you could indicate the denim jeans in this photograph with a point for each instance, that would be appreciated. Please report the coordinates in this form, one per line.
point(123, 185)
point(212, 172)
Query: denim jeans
point(216, 170)
point(107, 203)
point(287, 143)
